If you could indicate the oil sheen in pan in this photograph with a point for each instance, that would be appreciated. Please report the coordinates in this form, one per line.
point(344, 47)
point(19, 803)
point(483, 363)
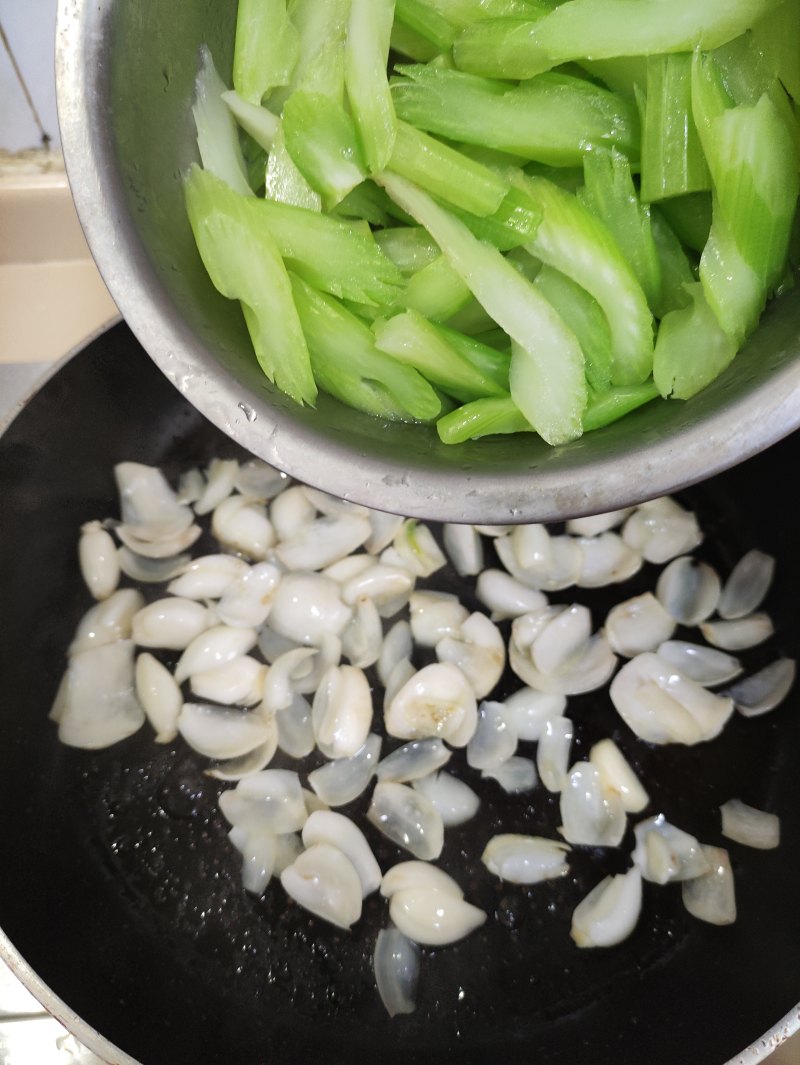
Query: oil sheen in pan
point(128, 901)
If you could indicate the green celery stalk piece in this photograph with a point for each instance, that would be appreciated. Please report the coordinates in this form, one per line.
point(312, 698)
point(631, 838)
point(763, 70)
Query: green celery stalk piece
point(322, 141)
point(464, 12)
point(413, 340)
point(407, 42)
point(243, 262)
point(616, 403)
point(502, 48)
point(513, 224)
point(409, 247)
point(446, 173)
point(692, 348)
point(775, 37)
point(603, 29)
point(493, 338)
point(573, 241)
point(621, 74)
point(569, 178)
point(255, 160)
point(337, 256)
point(611, 196)
point(217, 135)
point(265, 49)
point(284, 183)
point(482, 417)
point(427, 22)
point(366, 59)
point(347, 364)
point(259, 122)
point(552, 119)
point(583, 315)
point(672, 162)
point(471, 319)
point(321, 30)
point(547, 370)
point(366, 202)
point(491, 157)
point(436, 291)
point(493, 362)
point(733, 289)
point(690, 218)
point(676, 270)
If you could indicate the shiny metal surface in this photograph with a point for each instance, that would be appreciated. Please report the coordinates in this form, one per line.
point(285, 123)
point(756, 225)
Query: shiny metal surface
point(125, 76)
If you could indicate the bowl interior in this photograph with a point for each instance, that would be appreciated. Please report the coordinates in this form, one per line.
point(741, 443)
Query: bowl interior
point(126, 75)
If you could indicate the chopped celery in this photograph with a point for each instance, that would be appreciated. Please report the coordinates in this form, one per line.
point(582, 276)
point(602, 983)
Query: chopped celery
point(482, 417)
point(583, 315)
point(616, 403)
point(340, 257)
point(676, 270)
point(491, 361)
point(243, 262)
point(611, 195)
point(436, 291)
point(603, 29)
point(412, 45)
point(217, 135)
point(409, 247)
point(502, 48)
point(426, 21)
point(732, 288)
point(566, 177)
point(513, 224)
point(413, 340)
point(692, 348)
point(622, 73)
point(775, 37)
point(690, 218)
point(259, 122)
point(445, 172)
point(366, 57)
point(367, 203)
point(673, 163)
point(322, 140)
point(553, 119)
point(547, 372)
point(464, 12)
point(255, 161)
point(265, 50)
point(471, 319)
point(579, 245)
point(347, 364)
point(284, 182)
point(321, 32)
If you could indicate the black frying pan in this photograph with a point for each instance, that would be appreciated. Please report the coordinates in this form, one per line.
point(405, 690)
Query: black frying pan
point(120, 890)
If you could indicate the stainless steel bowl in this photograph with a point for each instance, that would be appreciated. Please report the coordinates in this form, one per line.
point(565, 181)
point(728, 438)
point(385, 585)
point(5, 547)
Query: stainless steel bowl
point(125, 71)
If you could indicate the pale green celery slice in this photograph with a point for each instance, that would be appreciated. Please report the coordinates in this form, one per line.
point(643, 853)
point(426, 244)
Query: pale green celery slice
point(409, 247)
point(482, 417)
point(259, 122)
point(366, 57)
point(611, 195)
point(573, 241)
point(622, 74)
point(690, 218)
point(412, 45)
point(732, 288)
point(554, 118)
point(756, 183)
point(616, 403)
point(493, 362)
point(446, 173)
point(602, 29)
point(413, 340)
point(471, 319)
point(265, 49)
point(284, 183)
point(547, 371)
point(244, 263)
point(347, 364)
point(692, 349)
point(425, 20)
point(502, 48)
point(436, 291)
point(492, 157)
point(322, 141)
point(569, 178)
point(321, 29)
point(775, 36)
point(513, 224)
point(672, 161)
point(583, 315)
point(335, 255)
point(366, 202)
point(676, 270)
point(217, 134)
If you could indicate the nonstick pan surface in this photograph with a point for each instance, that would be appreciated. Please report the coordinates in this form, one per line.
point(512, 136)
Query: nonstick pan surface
point(120, 890)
